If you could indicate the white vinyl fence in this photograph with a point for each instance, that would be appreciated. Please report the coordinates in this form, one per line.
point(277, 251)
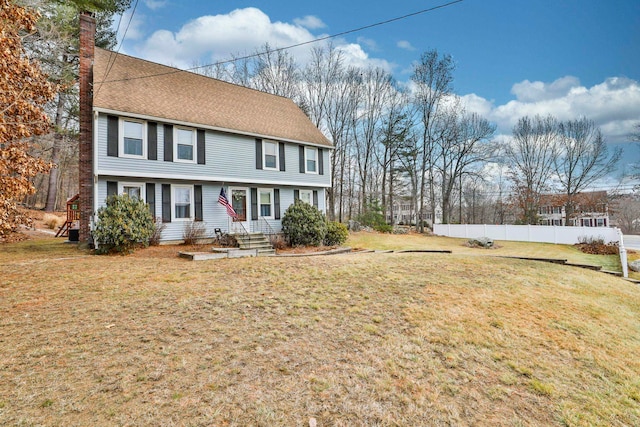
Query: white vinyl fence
point(536, 233)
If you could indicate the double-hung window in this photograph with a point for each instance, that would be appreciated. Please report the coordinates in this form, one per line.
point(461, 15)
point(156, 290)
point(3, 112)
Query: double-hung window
point(311, 160)
point(306, 196)
point(132, 143)
point(136, 190)
point(182, 202)
point(265, 200)
point(185, 144)
point(270, 153)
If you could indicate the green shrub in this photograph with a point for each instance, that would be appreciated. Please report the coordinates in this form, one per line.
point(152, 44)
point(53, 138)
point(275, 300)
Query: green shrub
point(374, 217)
point(124, 224)
point(383, 228)
point(303, 225)
point(337, 233)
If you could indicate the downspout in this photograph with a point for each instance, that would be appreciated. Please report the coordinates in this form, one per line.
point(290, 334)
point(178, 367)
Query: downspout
point(94, 172)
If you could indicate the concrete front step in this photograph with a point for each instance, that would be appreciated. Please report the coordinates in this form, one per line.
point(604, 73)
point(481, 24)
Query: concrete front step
point(255, 241)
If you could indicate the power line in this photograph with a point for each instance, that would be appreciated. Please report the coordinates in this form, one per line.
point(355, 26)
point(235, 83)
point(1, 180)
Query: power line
point(377, 24)
point(109, 63)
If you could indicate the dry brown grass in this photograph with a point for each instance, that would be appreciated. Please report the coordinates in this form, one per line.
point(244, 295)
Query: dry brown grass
point(52, 221)
point(367, 339)
point(502, 248)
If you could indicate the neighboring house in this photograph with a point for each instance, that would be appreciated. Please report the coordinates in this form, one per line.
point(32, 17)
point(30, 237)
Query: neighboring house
point(589, 210)
point(175, 138)
point(404, 213)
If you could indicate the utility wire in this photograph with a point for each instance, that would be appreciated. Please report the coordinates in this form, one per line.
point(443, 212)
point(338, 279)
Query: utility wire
point(109, 63)
point(377, 24)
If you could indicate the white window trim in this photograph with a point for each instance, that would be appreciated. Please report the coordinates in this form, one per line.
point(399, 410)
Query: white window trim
point(193, 142)
point(306, 170)
point(141, 185)
point(121, 152)
point(309, 192)
point(173, 203)
point(264, 155)
point(270, 191)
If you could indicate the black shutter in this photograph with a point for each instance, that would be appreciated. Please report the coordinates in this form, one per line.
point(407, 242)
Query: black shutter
point(112, 136)
point(112, 188)
point(276, 203)
point(281, 152)
point(152, 141)
point(166, 203)
point(301, 151)
point(320, 161)
point(151, 198)
point(197, 195)
point(315, 198)
point(258, 153)
point(200, 147)
point(168, 144)
point(296, 195)
point(254, 204)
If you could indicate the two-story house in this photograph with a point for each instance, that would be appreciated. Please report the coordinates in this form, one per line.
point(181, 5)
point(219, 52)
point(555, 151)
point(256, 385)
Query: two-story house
point(175, 139)
point(404, 213)
point(590, 209)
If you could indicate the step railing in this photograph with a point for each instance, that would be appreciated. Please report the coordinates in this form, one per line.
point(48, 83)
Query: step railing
point(244, 233)
point(266, 229)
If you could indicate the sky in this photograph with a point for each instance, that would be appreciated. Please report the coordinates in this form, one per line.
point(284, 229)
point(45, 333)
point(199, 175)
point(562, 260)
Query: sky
point(568, 58)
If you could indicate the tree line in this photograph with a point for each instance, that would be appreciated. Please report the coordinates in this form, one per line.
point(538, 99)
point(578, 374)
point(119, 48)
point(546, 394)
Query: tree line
point(417, 141)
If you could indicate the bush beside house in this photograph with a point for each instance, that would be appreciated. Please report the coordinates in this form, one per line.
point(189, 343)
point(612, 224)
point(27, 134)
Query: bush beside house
point(124, 224)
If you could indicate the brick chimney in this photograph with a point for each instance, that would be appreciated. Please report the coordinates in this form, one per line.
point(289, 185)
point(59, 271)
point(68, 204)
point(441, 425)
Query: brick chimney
point(87, 44)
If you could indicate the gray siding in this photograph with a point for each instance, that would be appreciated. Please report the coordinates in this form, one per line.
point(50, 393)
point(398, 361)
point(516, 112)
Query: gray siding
point(214, 214)
point(229, 158)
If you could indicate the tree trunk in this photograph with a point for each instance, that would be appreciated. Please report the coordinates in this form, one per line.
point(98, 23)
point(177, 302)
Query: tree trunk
point(52, 188)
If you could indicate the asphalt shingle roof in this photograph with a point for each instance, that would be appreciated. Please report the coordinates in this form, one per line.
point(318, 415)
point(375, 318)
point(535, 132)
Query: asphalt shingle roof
point(138, 86)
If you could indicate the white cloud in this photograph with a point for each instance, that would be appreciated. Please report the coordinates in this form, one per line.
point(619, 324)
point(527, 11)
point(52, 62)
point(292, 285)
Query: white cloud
point(368, 43)
point(155, 4)
point(213, 38)
point(404, 44)
point(218, 37)
point(310, 22)
point(477, 104)
point(135, 29)
point(355, 56)
point(527, 91)
point(614, 105)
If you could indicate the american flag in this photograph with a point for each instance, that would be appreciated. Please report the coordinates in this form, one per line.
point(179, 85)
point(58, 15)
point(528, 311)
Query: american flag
point(222, 199)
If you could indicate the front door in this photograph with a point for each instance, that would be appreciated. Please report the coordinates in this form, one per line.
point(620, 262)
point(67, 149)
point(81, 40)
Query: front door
point(240, 202)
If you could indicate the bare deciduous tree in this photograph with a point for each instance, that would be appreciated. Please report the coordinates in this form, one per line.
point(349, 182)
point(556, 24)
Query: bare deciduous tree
point(341, 112)
point(276, 72)
point(376, 88)
point(531, 156)
point(625, 211)
point(320, 78)
point(582, 158)
point(432, 77)
point(396, 125)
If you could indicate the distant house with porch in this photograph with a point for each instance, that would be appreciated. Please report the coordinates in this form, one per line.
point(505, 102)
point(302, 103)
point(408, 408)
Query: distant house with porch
point(590, 209)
